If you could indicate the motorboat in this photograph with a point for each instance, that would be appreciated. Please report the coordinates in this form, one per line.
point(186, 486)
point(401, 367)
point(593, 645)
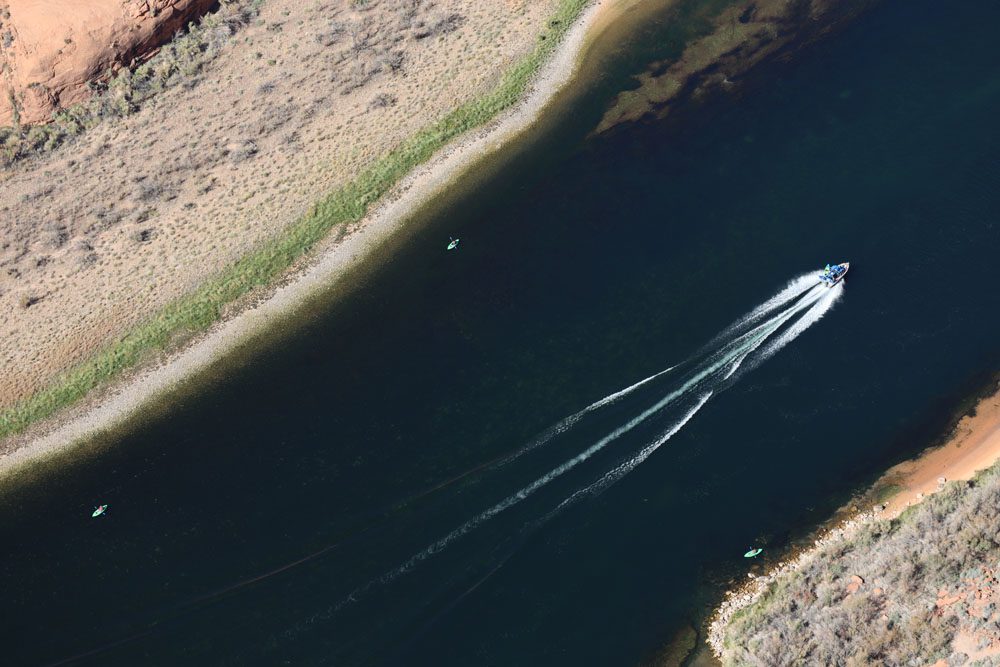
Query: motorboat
point(834, 273)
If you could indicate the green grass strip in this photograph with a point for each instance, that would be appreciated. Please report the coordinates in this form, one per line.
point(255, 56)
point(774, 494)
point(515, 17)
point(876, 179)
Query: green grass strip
point(198, 311)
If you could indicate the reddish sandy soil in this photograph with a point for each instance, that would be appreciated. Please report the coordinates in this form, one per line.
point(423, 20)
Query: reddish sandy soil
point(975, 446)
point(50, 49)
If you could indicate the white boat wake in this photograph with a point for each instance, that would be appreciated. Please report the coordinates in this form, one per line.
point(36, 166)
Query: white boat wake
point(742, 346)
point(568, 422)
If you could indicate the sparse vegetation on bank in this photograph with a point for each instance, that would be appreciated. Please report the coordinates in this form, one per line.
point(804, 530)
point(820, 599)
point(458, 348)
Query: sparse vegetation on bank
point(917, 589)
point(201, 309)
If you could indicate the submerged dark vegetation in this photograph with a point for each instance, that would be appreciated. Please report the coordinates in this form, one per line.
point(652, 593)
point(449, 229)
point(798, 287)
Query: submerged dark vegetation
point(946, 548)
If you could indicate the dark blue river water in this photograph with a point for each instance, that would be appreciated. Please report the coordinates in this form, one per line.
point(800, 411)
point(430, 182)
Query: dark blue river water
point(345, 493)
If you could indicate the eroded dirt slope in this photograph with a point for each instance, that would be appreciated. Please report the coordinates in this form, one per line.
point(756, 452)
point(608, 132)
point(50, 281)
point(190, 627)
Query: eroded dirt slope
point(51, 49)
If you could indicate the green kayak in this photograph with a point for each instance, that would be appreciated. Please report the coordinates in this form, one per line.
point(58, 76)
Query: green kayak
point(452, 243)
point(98, 511)
point(752, 553)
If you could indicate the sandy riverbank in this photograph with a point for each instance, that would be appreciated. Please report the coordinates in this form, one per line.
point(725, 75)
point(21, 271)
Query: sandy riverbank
point(420, 186)
point(973, 447)
point(161, 262)
point(100, 235)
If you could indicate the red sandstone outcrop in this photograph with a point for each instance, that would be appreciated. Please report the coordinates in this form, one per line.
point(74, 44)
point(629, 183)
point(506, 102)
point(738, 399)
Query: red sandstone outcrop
point(50, 49)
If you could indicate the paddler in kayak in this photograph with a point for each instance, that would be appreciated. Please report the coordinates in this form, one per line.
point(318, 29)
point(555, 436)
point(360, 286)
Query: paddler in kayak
point(98, 511)
point(452, 243)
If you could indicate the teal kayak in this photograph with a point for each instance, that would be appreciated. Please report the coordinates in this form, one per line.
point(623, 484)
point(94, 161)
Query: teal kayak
point(752, 553)
point(98, 511)
point(452, 243)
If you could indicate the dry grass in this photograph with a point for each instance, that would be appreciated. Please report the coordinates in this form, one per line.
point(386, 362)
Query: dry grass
point(146, 208)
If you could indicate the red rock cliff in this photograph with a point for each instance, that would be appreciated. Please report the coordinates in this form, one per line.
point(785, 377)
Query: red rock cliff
point(50, 49)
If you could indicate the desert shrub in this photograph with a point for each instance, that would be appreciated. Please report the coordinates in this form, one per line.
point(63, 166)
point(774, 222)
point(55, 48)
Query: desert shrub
point(442, 26)
point(28, 300)
point(147, 191)
point(242, 151)
point(333, 33)
point(394, 61)
point(382, 101)
point(143, 235)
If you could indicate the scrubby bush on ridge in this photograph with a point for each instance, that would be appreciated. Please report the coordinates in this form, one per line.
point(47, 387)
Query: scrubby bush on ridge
point(809, 616)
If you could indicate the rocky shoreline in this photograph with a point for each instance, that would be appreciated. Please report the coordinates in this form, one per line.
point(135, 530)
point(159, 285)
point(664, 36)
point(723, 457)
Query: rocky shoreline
point(746, 595)
point(972, 446)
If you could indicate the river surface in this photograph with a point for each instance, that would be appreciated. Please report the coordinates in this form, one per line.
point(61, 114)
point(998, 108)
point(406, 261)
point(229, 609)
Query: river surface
point(411, 475)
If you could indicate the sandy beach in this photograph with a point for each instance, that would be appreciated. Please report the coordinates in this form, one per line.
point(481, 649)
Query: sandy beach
point(420, 186)
point(974, 446)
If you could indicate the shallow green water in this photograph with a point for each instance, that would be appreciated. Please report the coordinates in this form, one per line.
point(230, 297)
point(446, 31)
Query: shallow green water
point(333, 499)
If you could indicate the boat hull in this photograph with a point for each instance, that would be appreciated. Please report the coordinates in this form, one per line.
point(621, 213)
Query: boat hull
point(830, 283)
